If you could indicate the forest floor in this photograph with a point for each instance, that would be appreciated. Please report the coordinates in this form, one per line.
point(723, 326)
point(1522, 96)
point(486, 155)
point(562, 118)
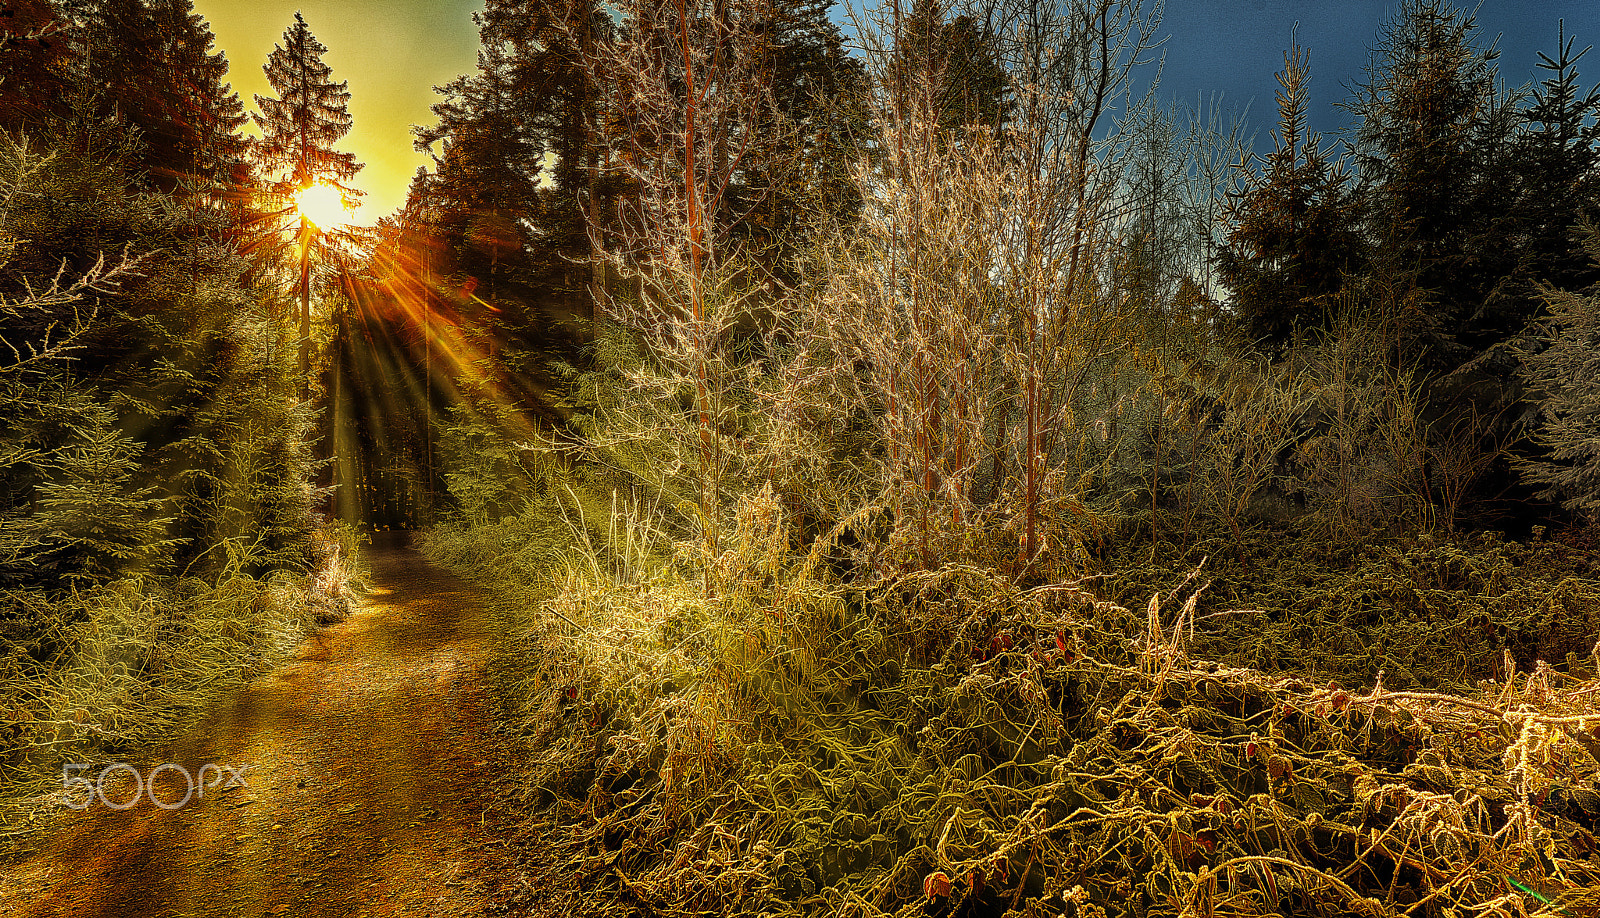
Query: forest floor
point(369, 782)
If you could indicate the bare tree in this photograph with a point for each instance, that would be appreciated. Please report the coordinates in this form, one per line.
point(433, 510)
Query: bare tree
point(991, 243)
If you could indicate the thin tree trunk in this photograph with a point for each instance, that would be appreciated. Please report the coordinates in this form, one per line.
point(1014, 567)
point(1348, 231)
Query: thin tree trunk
point(305, 309)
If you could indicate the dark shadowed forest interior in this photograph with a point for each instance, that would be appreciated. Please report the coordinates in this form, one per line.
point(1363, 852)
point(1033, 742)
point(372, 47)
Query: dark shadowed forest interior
point(900, 468)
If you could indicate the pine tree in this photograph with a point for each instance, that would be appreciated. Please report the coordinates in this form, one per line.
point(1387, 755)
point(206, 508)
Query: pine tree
point(296, 152)
point(957, 55)
point(797, 182)
point(142, 418)
point(150, 65)
point(35, 63)
point(565, 113)
point(491, 154)
point(1294, 230)
point(212, 148)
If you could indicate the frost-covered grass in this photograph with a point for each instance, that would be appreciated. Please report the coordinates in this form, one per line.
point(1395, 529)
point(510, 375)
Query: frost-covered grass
point(1119, 745)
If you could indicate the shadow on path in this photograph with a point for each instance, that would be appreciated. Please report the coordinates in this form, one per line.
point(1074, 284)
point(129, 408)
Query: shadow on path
point(366, 768)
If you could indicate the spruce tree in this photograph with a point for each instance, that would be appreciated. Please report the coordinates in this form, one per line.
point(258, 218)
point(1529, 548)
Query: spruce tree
point(490, 155)
point(1294, 234)
point(798, 182)
point(296, 152)
point(1434, 151)
point(953, 58)
point(1558, 160)
point(1562, 370)
point(149, 66)
point(35, 60)
point(142, 418)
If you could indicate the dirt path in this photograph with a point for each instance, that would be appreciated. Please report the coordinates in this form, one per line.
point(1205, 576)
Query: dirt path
point(367, 783)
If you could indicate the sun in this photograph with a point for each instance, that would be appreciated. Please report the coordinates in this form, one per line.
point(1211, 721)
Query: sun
point(323, 205)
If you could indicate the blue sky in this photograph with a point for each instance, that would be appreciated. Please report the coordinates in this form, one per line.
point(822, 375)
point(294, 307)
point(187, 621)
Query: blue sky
point(392, 52)
point(1236, 46)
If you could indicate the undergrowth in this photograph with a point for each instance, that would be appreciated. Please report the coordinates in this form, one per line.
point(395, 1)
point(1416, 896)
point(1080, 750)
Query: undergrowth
point(1168, 739)
point(1427, 612)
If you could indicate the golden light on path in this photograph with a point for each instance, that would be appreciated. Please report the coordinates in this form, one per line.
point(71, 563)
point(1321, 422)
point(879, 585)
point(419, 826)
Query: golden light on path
point(323, 205)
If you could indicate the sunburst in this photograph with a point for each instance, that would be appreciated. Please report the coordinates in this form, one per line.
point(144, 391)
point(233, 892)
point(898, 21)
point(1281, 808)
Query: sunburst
point(323, 204)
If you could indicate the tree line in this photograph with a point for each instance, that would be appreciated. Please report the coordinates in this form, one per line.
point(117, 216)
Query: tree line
point(157, 411)
point(1051, 290)
point(975, 207)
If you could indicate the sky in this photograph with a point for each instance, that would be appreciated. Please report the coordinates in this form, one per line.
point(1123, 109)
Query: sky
point(393, 52)
point(1236, 46)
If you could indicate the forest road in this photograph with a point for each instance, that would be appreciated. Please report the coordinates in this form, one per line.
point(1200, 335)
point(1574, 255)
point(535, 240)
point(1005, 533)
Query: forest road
point(367, 783)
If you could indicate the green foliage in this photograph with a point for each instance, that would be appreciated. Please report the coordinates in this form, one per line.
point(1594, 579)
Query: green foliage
point(118, 669)
point(952, 57)
point(146, 395)
point(841, 595)
point(489, 475)
point(91, 521)
point(796, 187)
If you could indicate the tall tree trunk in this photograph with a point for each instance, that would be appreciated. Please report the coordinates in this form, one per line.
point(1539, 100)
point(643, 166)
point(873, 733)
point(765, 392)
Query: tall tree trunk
point(305, 309)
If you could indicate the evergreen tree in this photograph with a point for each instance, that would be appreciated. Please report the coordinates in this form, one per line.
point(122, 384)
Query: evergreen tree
point(309, 115)
point(35, 63)
point(1294, 234)
point(1559, 172)
point(798, 182)
point(565, 113)
point(142, 417)
point(149, 65)
point(951, 59)
point(296, 153)
point(1434, 152)
point(1562, 370)
point(491, 154)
